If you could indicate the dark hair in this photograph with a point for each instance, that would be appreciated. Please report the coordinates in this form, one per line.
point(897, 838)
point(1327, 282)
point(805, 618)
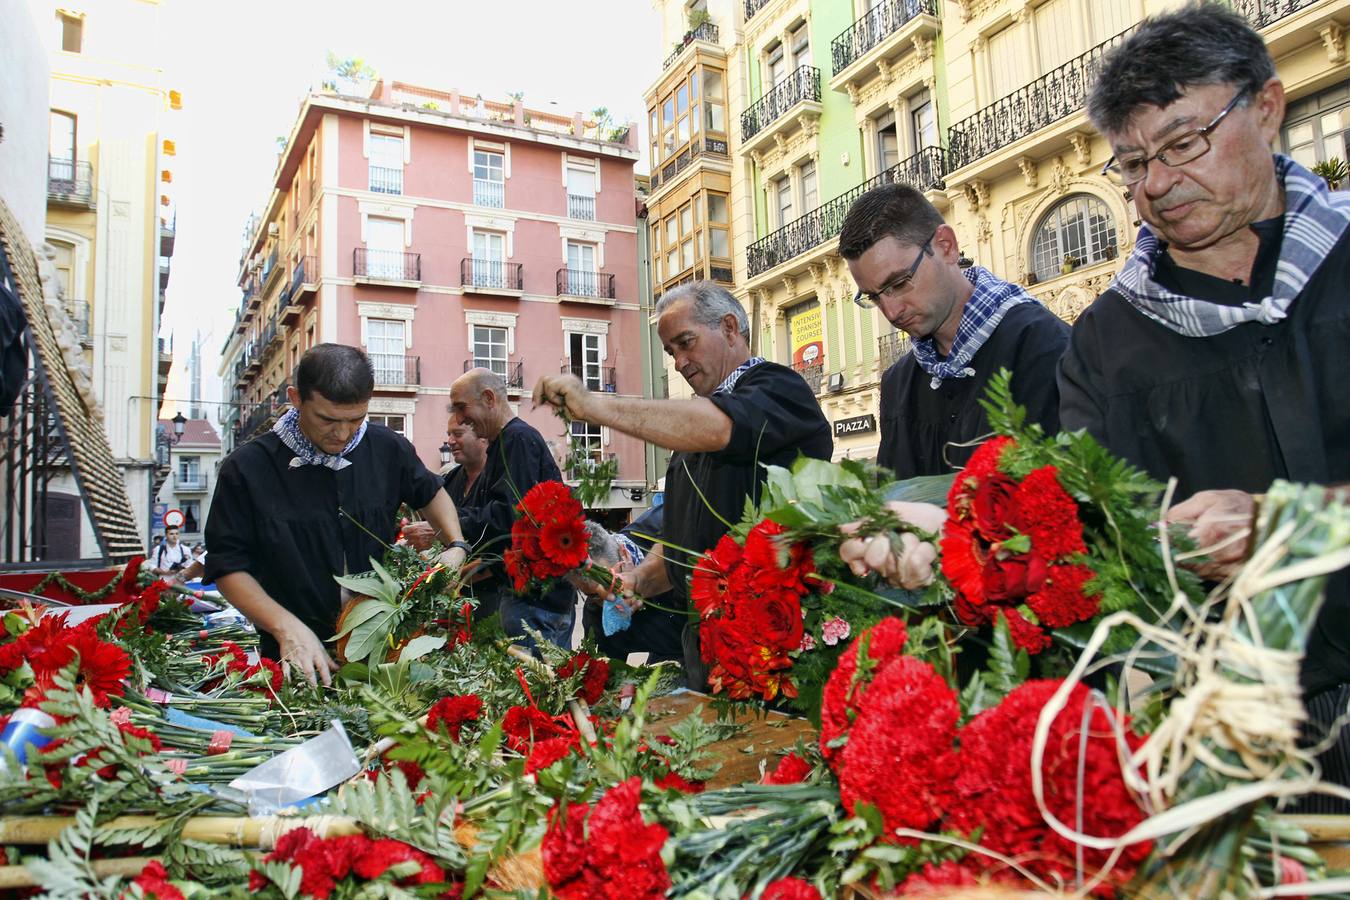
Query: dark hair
point(1203, 43)
point(168, 528)
point(340, 373)
point(891, 210)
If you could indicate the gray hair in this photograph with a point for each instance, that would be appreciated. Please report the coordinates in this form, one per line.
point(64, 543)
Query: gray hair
point(710, 303)
point(1200, 44)
point(604, 549)
point(482, 381)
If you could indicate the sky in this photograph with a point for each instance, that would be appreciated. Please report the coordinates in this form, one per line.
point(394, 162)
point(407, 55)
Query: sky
point(244, 66)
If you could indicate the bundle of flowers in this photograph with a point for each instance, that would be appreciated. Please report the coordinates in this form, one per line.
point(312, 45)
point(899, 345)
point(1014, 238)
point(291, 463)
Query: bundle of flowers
point(605, 852)
point(264, 676)
point(548, 538)
point(330, 864)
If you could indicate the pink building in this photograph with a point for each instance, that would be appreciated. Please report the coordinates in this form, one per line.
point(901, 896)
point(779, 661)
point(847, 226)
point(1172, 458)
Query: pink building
point(441, 232)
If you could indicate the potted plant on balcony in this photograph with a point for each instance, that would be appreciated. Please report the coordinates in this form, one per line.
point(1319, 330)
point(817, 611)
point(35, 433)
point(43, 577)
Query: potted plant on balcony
point(697, 19)
point(1071, 262)
point(1332, 171)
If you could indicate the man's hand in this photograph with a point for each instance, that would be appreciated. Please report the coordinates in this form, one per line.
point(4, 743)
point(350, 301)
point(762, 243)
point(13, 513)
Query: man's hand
point(626, 591)
point(419, 535)
point(452, 558)
point(302, 651)
point(1221, 526)
point(908, 565)
point(565, 392)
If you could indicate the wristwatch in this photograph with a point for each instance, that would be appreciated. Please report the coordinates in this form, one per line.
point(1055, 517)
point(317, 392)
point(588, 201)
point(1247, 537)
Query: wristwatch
point(462, 545)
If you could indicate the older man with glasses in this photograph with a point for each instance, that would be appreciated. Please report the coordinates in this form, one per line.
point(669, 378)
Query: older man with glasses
point(965, 324)
point(1218, 354)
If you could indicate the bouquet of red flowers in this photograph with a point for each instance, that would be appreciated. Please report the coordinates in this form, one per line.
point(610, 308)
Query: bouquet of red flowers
point(548, 540)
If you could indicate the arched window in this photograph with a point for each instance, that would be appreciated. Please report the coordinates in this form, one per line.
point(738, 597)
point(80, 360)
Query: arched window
point(1078, 231)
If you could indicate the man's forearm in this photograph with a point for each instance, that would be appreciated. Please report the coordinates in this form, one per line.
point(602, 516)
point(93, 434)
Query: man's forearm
point(440, 512)
point(247, 596)
point(690, 426)
point(650, 577)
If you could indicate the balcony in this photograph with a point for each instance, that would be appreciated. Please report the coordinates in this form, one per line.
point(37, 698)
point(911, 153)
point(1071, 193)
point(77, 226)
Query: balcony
point(705, 32)
point(1054, 96)
point(396, 371)
point(884, 30)
point(190, 483)
point(596, 378)
point(713, 148)
point(511, 371)
point(70, 183)
point(771, 114)
point(385, 180)
point(579, 206)
point(491, 194)
point(891, 348)
point(924, 170)
point(492, 276)
point(305, 279)
point(387, 267)
point(1261, 13)
point(583, 284)
point(752, 7)
point(813, 373)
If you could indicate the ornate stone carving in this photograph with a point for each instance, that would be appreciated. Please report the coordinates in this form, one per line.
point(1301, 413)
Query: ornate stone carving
point(809, 124)
point(853, 94)
point(1082, 148)
point(923, 47)
point(780, 142)
point(884, 69)
point(790, 285)
point(1028, 167)
point(818, 274)
point(977, 195)
point(1060, 175)
point(984, 231)
point(1333, 41)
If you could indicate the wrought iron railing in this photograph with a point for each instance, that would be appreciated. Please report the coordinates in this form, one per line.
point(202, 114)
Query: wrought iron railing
point(489, 193)
point(1261, 13)
point(596, 378)
point(268, 270)
point(384, 180)
point(396, 369)
point(579, 206)
point(752, 7)
point(800, 86)
point(890, 348)
point(386, 265)
point(493, 274)
point(813, 373)
point(585, 283)
point(698, 147)
point(512, 371)
point(705, 32)
point(873, 27)
point(306, 272)
point(1055, 95)
point(69, 181)
point(924, 170)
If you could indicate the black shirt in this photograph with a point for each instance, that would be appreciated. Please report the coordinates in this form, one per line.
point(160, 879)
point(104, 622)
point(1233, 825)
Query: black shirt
point(282, 525)
point(517, 460)
point(921, 427)
point(774, 416)
point(1235, 410)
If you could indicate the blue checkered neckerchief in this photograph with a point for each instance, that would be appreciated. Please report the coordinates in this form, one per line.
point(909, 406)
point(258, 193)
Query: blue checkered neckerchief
point(729, 382)
point(1314, 220)
point(306, 454)
point(992, 298)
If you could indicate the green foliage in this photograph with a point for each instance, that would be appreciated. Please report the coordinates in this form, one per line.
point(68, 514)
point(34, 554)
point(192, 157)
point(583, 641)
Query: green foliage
point(352, 69)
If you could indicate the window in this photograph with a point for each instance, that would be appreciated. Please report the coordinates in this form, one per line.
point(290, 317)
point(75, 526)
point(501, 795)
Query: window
point(1007, 63)
point(1057, 38)
point(385, 345)
point(65, 268)
point(384, 248)
point(489, 182)
point(581, 192)
point(584, 353)
point(719, 244)
point(581, 277)
point(61, 145)
point(1317, 128)
point(386, 164)
point(70, 31)
point(888, 141)
point(782, 191)
point(588, 441)
point(810, 195)
point(489, 348)
point(922, 122)
point(1078, 231)
point(396, 424)
point(189, 468)
point(686, 236)
point(777, 67)
point(192, 515)
point(489, 259)
point(714, 102)
point(668, 127)
point(801, 47)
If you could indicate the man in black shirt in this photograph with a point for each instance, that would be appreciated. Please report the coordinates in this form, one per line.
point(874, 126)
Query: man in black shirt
point(317, 496)
point(1218, 354)
point(966, 325)
point(470, 451)
point(517, 458)
point(747, 412)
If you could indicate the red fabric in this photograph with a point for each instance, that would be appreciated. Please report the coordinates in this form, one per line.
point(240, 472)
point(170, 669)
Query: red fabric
point(89, 582)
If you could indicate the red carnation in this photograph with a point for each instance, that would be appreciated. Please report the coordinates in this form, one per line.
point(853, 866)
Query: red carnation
point(993, 788)
point(524, 725)
point(451, 713)
point(938, 879)
point(596, 677)
point(674, 781)
point(790, 889)
point(605, 852)
point(155, 884)
point(1025, 635)
point(845, 687)
point(1063, 600)
point(1048, 515)
point(791, 769)
point(545, 753)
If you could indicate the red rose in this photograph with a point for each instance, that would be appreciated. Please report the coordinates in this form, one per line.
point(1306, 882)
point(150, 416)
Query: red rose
point(993, 507)
point(776, 620)
point(1014, 577)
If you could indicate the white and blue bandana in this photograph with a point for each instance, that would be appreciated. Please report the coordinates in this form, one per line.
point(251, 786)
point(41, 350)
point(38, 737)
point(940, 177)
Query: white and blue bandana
point(992, 299)
point(1314, 220)
point(729, 382)
point(306, 454)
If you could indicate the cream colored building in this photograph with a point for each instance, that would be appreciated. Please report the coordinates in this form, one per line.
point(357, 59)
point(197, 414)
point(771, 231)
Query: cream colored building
point(109, 222)
point(980, 104)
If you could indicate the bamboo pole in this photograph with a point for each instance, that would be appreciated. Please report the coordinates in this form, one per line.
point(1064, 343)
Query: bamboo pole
point(233, 831)
point(19, 877)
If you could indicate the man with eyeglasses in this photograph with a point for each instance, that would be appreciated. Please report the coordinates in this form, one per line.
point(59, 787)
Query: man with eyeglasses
point(965, 325)
point(1218, 354)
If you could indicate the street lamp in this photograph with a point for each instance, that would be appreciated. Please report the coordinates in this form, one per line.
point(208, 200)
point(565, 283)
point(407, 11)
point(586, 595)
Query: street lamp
point(445, 453)
point(179, 421)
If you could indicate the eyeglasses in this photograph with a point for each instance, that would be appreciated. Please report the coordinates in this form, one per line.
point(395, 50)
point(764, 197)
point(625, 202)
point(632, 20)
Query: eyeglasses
point(900, 283)
point(1177, 152)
